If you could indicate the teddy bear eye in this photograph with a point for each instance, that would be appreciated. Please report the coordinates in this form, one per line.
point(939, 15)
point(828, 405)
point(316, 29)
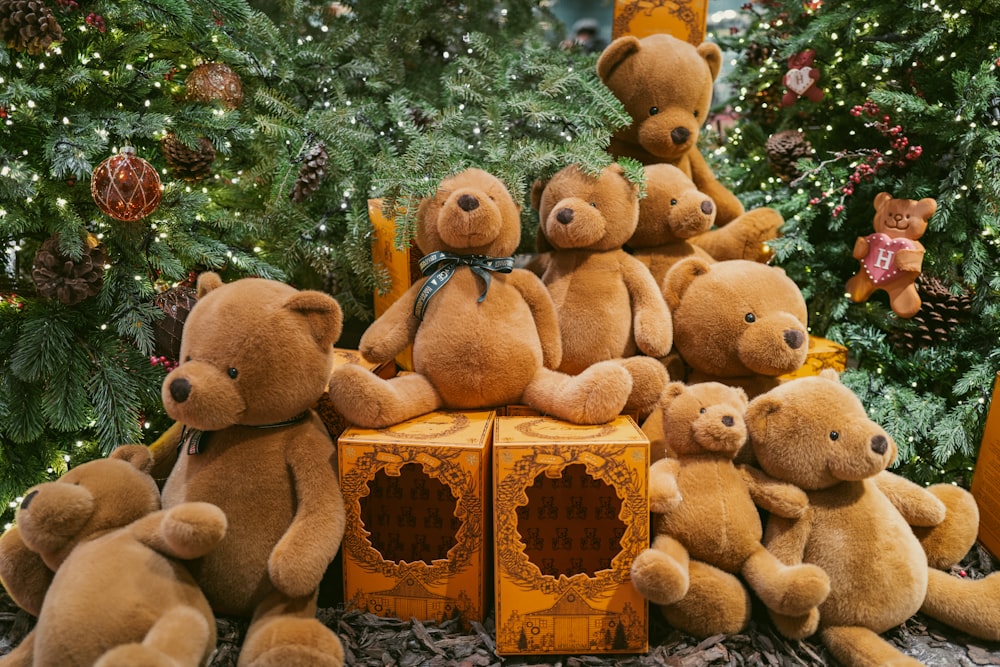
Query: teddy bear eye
point(695, 113)
point(232, 372)
point(673, 202)
point(750, 318)
point(701, 411)
point(593, 204)
point(653, 111)
point(834, 435)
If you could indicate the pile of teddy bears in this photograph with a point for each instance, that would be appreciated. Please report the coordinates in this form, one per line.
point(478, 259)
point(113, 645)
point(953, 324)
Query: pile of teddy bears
point(662, 307)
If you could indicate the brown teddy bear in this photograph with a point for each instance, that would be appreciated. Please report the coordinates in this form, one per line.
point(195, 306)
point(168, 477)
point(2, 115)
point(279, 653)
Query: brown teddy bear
point(737, 322)
point(256, 354)
point(484, 333)
point(706, 526)
point(665, 85)
point(94, 557)
point(814, 432)
point(891, 258)
point(608, 304)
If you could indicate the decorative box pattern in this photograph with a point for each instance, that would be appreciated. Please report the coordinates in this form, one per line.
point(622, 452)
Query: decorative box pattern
point(402, 267)
point(684, 19)
point(986, 477)
point(571, 513)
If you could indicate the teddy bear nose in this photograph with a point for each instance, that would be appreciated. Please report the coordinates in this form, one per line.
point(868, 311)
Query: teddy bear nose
point(565, 215)
point(28, 498)
point(728, 421)
point(879, 444)
point(679, 135)
point(468, 203)
point(794, 338)
point(180, 389)
point(707, 207)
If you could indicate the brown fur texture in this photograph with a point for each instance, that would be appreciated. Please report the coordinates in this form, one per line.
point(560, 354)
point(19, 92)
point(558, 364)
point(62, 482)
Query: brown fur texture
point(706, 527)
point(118, 592)
point(608, 304)
point(898, 265)
point(665, 85)
point(737, 322)
point(474, 349)
point(255, 356)
point(813, 432)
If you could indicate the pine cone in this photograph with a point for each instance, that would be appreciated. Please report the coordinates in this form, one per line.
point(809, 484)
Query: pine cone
point(784, 149)
point(28, 25)
point(310, 173)
point(188, 164)
point(940, 312)
point(175, 303)
point(71, 281)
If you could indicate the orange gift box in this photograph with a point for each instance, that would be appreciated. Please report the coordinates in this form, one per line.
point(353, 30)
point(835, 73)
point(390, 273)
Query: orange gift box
point(684, 19)
point(571, 513)
point(986, 477)
point(822, 354)
point(400, 264)
point(417, 505)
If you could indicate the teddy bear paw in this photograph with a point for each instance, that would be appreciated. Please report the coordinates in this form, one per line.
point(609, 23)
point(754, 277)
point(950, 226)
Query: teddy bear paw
point(659, 578)
point(802, 588)
point(193, 529)
point(292, 642)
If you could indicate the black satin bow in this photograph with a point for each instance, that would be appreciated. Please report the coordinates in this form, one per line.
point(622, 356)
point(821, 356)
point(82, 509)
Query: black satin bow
point(440, 267)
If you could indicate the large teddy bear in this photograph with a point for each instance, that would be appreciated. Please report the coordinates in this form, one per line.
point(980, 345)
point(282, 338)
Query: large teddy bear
point(737, 322)
point(256, 354)
point(706, 526)
point(608, 304)
point(484, 334)
point(891, 257)
point(94, 557)
point(665, 85)
point(813, 432)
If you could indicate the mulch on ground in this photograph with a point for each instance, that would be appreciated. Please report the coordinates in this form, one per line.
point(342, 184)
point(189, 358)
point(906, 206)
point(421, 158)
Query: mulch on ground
point(372, 641)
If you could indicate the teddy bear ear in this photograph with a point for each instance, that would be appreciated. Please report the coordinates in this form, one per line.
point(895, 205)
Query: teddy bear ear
point(321, 311)
point(880, 199)
point(830, 374)
point(139, 456)
point(679, 278)
point(615, 54)
point(758, 410)
point(208, 281)
point(926, 207)
point(712, 54)
point(537, 188)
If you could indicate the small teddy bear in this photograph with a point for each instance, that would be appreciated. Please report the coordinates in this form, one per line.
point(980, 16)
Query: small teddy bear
point(102, 566)
point(737, 322)
point(256, 355)
point(706, 526)
point(813, 432)
point(801, 79)
point(891, 258)
point(665, 85)
point(484, 333)
point(608, 304)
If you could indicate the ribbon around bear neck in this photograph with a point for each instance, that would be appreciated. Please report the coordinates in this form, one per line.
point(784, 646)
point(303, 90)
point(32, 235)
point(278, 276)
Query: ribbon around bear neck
point(191, 438)
point(439, 267)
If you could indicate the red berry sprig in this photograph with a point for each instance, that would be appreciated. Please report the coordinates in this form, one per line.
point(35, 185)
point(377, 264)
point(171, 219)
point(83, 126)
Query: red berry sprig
point(96, 21)
point(167, 364)
point(68, 5)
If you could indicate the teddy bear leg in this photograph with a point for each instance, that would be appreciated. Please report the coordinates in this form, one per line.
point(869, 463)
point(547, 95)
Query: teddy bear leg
point(660, 573)
point(182, 637)
point(859, 287)
point(649, 377)
point(860, 647)
point(285, 632)
point(969, 605)
point(905, 302)
point(595, 396)
point(23, 654)
point(948, 542)
point(716, 603)
point(23, 573)
point(367, 400)
point(745, 237)
point(791, 590)
point(796, 627)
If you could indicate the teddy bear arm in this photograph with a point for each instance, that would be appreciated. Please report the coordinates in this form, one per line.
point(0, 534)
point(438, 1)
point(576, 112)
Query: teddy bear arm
point(186, 531)
point(728, 206)
point(543, 311)
point(651, 322)
point(23, 573)
point(393, 330)
point(860, 248)
point(910, 259)
point(313, 538)
point(918, 506)
point(777, 497)
point(786, 538)
point(664, 494)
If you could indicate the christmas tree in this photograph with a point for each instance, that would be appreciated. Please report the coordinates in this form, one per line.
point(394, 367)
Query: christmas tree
point(907, 101)
point(144, 142)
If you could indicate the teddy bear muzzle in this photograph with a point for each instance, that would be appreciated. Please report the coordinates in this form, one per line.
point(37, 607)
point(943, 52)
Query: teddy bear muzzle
point(680, 135)
point(879, 444)
point(180, 389)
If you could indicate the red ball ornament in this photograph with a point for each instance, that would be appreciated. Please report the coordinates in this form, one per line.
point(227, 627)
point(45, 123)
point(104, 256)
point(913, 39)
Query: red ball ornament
point(126, 187)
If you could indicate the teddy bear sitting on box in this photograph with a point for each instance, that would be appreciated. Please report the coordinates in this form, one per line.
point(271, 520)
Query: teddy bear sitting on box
point(94, 557)
point(256, 355)
point(813, 432)
point(665, 85)
point(706, 525)
point(484, 333)
point(608, 304)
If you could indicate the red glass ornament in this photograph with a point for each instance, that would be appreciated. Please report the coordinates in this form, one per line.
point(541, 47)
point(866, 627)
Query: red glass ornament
point(125, 186)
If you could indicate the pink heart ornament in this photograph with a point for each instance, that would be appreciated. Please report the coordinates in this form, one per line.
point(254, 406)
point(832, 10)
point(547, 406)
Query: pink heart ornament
point(798, 80)
point(880, 262)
